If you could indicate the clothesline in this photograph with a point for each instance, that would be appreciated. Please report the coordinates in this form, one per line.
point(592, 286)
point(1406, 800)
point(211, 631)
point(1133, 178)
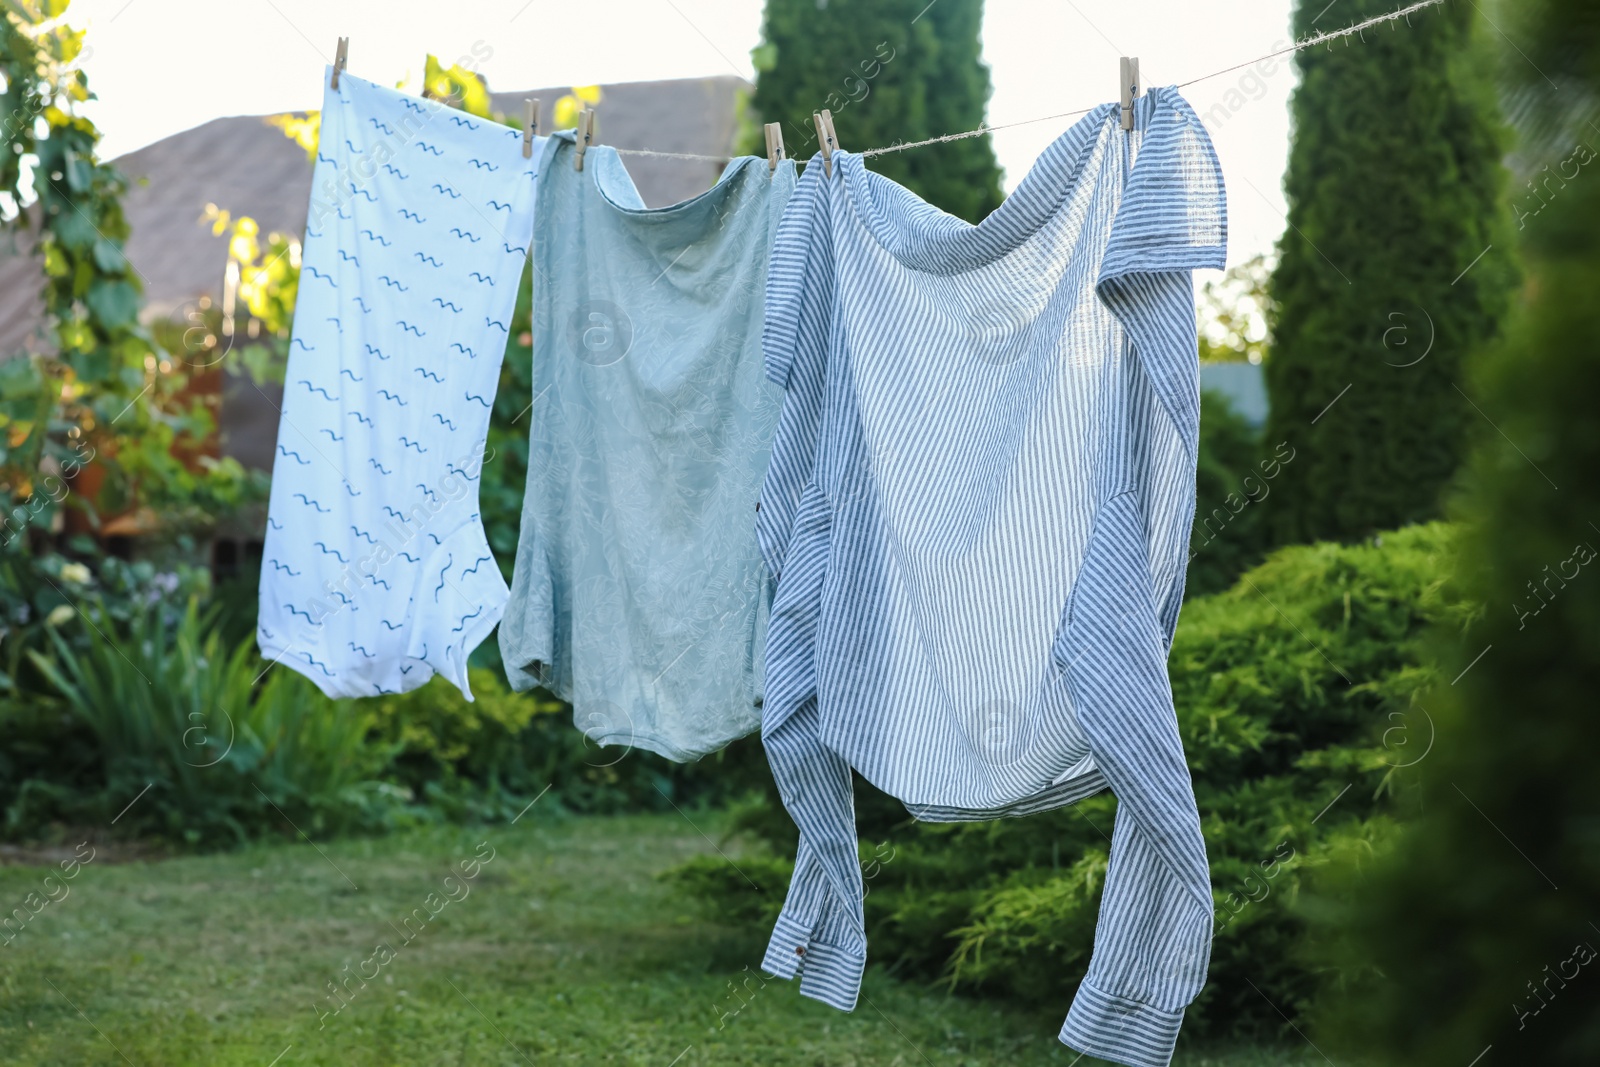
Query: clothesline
point(1298, 46)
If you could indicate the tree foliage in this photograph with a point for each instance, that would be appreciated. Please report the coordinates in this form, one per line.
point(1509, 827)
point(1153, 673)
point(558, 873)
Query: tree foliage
point(1475, 936)
point(1233, 313)
point(99, 393)
point(1394, 266)
point(890, 71)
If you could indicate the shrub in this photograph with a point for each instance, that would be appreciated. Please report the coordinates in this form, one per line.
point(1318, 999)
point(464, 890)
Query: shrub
point(180, 724)
point(1294, 692)
point(1232, 483)
point(151, 700)
point(462, 756)
point(38, 594)
point(488, 758)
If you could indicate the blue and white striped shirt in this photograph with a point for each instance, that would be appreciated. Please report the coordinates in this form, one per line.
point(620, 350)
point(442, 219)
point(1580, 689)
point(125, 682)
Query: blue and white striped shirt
point(976, 511)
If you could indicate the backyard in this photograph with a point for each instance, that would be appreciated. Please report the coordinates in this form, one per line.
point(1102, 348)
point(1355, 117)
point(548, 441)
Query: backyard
point(565, 948)
point(1119, 557)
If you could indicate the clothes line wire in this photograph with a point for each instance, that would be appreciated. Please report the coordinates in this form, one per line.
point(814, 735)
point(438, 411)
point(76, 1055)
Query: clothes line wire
point(1299, 46)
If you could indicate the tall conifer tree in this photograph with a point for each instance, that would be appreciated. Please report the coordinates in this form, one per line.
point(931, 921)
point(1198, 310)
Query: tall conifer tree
point(1476, 939)
point(1395, 265)
point(889, 70)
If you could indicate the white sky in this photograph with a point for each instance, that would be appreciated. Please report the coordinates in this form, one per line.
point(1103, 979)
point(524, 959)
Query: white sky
point(161, 66)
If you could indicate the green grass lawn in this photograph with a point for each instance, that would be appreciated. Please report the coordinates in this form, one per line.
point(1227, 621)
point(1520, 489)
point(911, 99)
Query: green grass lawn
point(564, 949)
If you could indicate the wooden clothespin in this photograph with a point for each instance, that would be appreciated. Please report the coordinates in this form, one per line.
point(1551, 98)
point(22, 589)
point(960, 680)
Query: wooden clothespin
point(585, 135)
point(341, 55)
point(1130, 89)
point(826, 138)
point(774, 133)
point(530, 125)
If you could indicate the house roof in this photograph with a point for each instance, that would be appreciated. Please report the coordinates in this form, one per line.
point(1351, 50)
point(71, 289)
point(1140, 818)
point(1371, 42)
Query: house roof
point(21, 279)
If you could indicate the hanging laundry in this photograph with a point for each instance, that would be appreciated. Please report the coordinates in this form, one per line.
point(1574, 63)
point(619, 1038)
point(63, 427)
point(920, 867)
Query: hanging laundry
point(375, 571)
point(639, 593)
point(977, 512)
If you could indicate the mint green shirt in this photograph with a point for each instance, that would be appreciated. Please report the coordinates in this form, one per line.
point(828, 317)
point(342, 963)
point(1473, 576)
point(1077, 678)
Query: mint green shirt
point(639, 592)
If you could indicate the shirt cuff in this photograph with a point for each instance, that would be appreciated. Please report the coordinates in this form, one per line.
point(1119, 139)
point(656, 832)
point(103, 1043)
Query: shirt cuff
point(1120, 1030)
point(829, 973)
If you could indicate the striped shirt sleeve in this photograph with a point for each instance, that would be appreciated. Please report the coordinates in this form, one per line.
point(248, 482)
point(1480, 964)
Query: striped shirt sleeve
point(1153, 939)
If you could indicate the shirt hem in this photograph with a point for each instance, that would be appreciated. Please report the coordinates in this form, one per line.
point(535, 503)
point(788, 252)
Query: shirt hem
point(661, 747)
point(1058, 795)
